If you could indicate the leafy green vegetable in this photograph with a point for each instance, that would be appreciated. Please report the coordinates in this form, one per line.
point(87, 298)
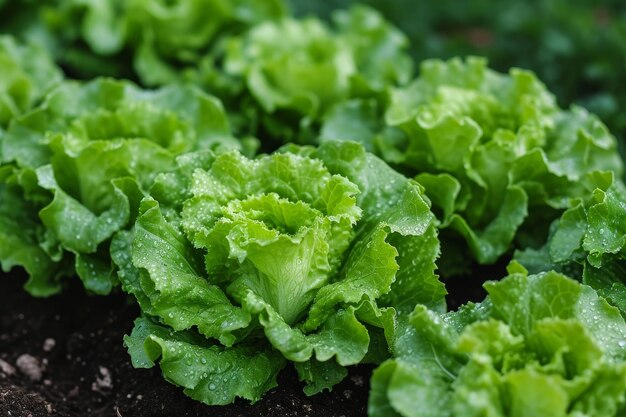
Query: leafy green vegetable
point(588, 241)
point(274, 247)
point(208, 372)
point(573, 46)
point(146, 39)
point(538, 345)
point(290, 73)
point(493, 151)
point(20, 234)
point(130, 135)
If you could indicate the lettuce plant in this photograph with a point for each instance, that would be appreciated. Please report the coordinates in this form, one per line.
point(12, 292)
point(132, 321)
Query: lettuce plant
point(538, 345)
point(588, 240)
point(572, 45)
point(291, 72)
point(277, 253)
point(493, 151)
point(130, 135)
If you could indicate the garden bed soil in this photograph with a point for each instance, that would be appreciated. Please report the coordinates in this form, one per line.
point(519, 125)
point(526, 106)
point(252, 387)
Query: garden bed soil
point(71, 344)
point(63, 357)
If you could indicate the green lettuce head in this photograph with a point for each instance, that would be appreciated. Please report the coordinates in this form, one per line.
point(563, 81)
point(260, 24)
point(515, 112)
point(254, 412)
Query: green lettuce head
point(496, 155)
point(277, 255)
point(290, 72)
point(539, 345)
point(84, 159)
point(588, 241)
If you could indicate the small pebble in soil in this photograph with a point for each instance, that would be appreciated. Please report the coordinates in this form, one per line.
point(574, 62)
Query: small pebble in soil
point(49, 344)
point(6, 368)
point(357, 380)
point(103, 381)
point(74, 392)
point(29, 366)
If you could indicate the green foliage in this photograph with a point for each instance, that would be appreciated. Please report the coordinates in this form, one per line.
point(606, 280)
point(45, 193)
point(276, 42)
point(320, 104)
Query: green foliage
point(493, 151)
point(538, 345)
point(301, 215)
point(283, 248)
point(574, 46)
point(145, 39)
point(588, 241)
point(130, 135)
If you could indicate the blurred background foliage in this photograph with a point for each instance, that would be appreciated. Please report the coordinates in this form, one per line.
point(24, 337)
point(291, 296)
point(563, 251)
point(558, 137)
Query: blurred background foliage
point(577, 47)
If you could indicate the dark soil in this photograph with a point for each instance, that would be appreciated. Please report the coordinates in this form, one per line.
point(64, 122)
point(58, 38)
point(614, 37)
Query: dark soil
point(469, 287)
point(76, 340)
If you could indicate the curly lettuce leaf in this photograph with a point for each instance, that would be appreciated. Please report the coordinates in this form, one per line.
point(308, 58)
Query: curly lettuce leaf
point(209, 373)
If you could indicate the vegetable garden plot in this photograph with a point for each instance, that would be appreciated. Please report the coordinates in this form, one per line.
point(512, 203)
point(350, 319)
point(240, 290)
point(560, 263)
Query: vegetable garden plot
point(284, 199)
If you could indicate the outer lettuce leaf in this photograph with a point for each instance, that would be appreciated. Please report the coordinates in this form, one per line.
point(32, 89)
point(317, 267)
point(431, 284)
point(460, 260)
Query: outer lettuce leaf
point(538, 345)
point(20, 233)
point(171, 279)
point(320, 375)
point(208, 372)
